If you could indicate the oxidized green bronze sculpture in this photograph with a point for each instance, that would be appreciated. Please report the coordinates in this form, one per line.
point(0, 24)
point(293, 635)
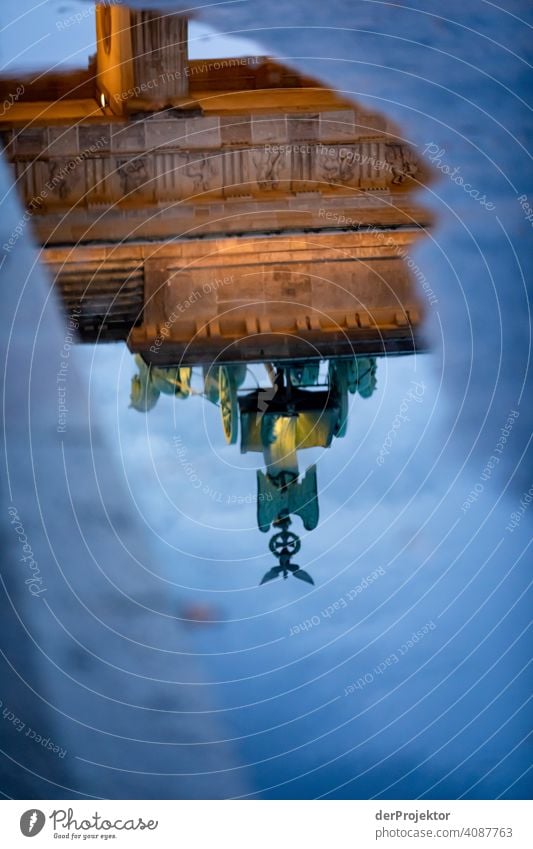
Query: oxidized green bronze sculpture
point(285, 545)
point(297, 410)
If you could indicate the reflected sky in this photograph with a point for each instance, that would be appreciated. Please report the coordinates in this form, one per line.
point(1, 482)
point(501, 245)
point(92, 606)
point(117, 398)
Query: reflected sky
point(284, 651)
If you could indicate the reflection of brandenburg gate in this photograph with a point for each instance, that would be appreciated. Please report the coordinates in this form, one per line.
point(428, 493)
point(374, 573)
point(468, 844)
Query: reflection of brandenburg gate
point(221, 212)
point(218, 205)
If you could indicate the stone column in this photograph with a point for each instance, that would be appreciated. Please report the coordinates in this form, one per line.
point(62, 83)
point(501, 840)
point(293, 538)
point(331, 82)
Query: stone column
point(159, 47)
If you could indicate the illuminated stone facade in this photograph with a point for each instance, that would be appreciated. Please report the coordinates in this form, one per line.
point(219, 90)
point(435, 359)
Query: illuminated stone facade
point(305, 197)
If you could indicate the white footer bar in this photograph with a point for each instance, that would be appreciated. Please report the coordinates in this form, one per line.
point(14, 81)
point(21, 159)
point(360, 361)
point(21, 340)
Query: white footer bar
point(268, 824)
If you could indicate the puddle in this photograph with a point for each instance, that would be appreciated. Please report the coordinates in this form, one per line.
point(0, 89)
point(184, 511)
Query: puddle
point(257, 298)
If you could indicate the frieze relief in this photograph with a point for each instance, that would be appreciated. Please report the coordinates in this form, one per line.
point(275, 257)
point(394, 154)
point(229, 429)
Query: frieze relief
point(167, 175)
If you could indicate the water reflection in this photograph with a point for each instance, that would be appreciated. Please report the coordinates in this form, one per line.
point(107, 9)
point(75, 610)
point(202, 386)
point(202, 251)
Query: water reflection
point(230, 220)
point(303, 406)
point(221, 216)
point(314, 185)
